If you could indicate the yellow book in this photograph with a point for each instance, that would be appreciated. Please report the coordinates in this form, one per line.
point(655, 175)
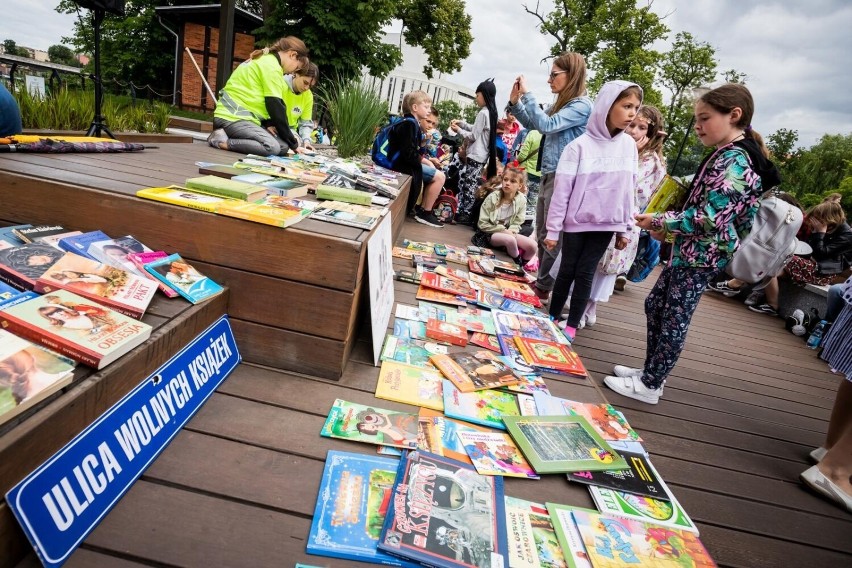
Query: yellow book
point(410, 385)
point(273, 210)
point(177, 195)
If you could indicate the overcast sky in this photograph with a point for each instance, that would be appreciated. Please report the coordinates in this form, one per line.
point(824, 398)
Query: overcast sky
point(795, 54)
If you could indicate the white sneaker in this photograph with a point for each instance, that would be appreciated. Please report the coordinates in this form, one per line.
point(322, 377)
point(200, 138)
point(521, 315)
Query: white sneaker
point(591, 320)
point(623, 371)
point(818, 454)
point(582, 324)
point(633, 388)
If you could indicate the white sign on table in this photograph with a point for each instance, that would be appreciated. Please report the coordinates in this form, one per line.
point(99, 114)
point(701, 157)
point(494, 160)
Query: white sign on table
point(381, 282)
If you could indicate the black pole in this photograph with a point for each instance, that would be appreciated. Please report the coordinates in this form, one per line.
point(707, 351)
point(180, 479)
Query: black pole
point(683, 143)
point(98, 127)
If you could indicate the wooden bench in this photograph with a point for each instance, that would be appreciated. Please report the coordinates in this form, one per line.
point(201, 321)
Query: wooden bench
point(793, 296)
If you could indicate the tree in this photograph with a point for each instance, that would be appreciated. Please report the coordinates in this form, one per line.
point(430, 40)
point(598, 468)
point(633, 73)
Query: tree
point(448, 109)
point(469, 113)
point(62, 55)
point(11, 48)
point(441, 28)
point(782, 145)
point(821, 169)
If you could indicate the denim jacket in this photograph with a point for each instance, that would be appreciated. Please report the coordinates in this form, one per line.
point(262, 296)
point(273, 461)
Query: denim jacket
point(559, 129)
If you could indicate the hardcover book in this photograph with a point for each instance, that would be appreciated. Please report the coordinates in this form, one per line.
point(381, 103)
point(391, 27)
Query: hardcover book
point(349, 214)
point(80, 244)
point(140, 259)
point(73, 326)
point(28, 374)
point(608, 422)
point(361, 423)
point(473, 319)
point(446, 332)
point(485, 407)
point(532, 538)
point(481, 339)
point(475, 370)
point(640, 478)
point(494, 453)
point(32, 233)
point(355, 492)
point(444, 514)
point(550, 356)
point(183, 278)
point(439, 434)
point(222, 187)
point(410, 385)
point(270, 210)
point(115, 288)
point(533, 327)
point(530, 299)
point(176, 195)
point(411, 351)
point(615, 542)
point(409, 329)
point(21, 266)
point(559, 444)
point(432, 295)
point(570, 540)
point(423, 247)
point(510, 285)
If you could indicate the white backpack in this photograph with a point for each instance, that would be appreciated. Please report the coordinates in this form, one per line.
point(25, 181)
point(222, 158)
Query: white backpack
point(770, 244)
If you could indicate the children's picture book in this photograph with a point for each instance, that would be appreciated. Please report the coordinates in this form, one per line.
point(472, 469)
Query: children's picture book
point(21, 266)
point(362, 423)
point(445, 284)
point(115, 288)
point(479, 282)
point(604, 418)
point(533, 327)
point(428, 311)
point(270, 210)
point(640, 478)
point(409, 329)
point(489, 299)
point(215, 185)
point(423, 247)
point(402, 252)
point(530, 383)
point(446, 332)
point(481, 339)
point(473, 319)
point(79, 244)
point(509, 285)
point(28, 374)
point(532, 538)
point(444, 514)
point(410, 385)
point(494, 453)
point(526, 404)
point(551, 356)
point(183, 197)
point(485, 407)
point(559, 444)
point(570, 540)
point(404, 311)
point(7, 301)
point(432, 295)
point(76, 327)
point(354, 495)
point(528, 299)
point(475, 370)
point(516, 307)
point(31, 234)
point(439, 434)
point(615, 542)
point(140, 259)
point(359, 216)
point(450, 272)
point(183, 278)
point(411, 351)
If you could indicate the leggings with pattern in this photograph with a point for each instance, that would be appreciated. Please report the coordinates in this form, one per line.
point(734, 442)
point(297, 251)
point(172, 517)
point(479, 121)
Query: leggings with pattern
point(669, 308)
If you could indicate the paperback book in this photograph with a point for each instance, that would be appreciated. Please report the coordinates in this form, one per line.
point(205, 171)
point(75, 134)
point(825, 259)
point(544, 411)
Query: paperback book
point(182, 197)
point(80, 244)
point(270, 210)
point(473, 319)
point(439, 434)
point(31, 234)
point(423, 247)
point(533, 327)
point(115, 288)
point(639, 479)
point(560, 444)
point(53, 240)
point(140, 259)
point(529, 299)
point(486, 407)
point(337, 187)
point(616, 542)
point(28, 374)
point(604, 418)
point(349, 214)
point(491, 300)
point(514, 306)
point(550, 356)
point(570, 540)
point(444, 514)
point(114, 252)
point(402, 252)
point(410, 385)
point(411, 351)
point(21, 266)
point(183, 278)
point(407, 312)
point(73, 326)
point(475, 370)
point(446, 332)
point(431, 295)
point(9, 239)
point(215, 185)
point(494, 453)
point(532, 538)
point(410, 276)
point(370, 425)
point(409, 329)
point(510, 285)
point(485, 340)
point(354, 495)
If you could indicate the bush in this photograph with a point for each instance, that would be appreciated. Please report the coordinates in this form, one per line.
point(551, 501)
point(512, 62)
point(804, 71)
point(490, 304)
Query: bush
point(355, 112)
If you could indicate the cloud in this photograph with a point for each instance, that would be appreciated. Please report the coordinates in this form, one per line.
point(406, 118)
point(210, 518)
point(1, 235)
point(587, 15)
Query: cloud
point(35, 23)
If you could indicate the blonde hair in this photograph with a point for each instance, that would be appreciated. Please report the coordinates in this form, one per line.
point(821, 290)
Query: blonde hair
point(414, 98)
point(829, 212)
point(656, 135)
point(289, 43)
point(575, 86)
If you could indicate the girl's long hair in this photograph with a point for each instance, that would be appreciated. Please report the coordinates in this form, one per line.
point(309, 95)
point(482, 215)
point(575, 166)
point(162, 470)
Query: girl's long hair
point(656, 134)
point(489, 93)
point(729, 96)
point(289, 43)
point(575, 86)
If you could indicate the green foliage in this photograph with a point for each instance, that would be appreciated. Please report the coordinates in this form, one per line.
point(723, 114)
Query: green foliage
point(448, 109)
point(782, 145)
point(469, 113)
point(355, 112)
point(441, 28)
point(11, 48)
point(821, 169)
point(62, 55)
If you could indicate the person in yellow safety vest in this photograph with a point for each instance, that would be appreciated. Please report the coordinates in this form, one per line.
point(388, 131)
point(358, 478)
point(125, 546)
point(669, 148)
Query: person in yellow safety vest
point(299, 101)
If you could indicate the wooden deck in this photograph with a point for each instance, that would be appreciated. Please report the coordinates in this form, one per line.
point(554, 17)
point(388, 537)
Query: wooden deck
point(744, 406)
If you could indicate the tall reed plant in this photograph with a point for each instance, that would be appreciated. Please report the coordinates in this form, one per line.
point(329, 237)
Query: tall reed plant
point(355, 111)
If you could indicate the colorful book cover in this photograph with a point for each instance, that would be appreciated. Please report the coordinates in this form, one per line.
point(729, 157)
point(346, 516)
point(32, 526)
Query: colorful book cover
point(608, 422)
point(490, 299)
point(530, 382)
point(183, 278)
point(432, 295)
point(409, 329)
point(526, 404)
point(559, 444)
point(53, 240)
point(361, 423)
point(473, 319)
point(113, 287)
point(616, 542)
point(532, 538)
point(570, 540)
point(20, 297)
point(640, 478)
point(410, 385)
point(484, 340)
point(510, 351)
point(449, 285)
point(215, 185)
point(411, 351)
point(271, 210)
point(410, 276)
point(481, 251)
point(421, 247)
point(534, 327)
point(21, 266)
point(402, 252)
point(514, 306)
point(7, 292)
point(444, 514)
point(550, 356)
point(183, 197)
point(353, 498)
point(79, 244)
point(428, 311)
point(359, 216)
point(439, 434)
point(458, 258)
point(406, 312)
point(494, 453)
point(343, 194)
point(475, 370)
point(479, 282)
point(140, 259)
point(453, 273)
point(520, 287)
point(486, 407)
point(73, 326)
point(446, 332)
point(114, 252)
point(28, 374)
point(529, 299)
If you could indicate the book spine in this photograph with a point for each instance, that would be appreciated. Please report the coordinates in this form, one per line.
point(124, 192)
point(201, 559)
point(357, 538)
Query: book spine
point(49, 340)
point(16, 279)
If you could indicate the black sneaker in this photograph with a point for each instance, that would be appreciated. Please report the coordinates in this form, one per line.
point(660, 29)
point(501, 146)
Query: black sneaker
point(764, 309)
point(428, 218)
point(463, 219)
point(723, 288)
point(755, 298)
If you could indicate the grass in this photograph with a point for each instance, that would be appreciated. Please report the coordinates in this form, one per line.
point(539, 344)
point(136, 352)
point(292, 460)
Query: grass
point(355, 111)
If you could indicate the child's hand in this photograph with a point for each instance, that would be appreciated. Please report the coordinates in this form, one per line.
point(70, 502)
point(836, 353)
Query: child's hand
point(620, 243)
point(515, 94)
point(641, 143)
point(550, 245)
point(522, 85)
point(454, 124)
point(643, 221)
point(818, 226)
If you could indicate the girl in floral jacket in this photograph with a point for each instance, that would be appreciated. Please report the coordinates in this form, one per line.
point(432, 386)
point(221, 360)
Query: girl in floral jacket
point(718, 213)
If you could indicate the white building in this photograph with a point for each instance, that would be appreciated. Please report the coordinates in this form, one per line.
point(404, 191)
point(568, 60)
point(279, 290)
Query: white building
point(409, 77)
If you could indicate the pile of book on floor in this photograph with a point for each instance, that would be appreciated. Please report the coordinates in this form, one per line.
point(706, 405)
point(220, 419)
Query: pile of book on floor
point(274, 190)
point(471, 355)
point(81, 295)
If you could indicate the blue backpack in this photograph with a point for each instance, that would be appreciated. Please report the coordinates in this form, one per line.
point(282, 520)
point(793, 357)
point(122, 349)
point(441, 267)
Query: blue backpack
point(379, 152)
